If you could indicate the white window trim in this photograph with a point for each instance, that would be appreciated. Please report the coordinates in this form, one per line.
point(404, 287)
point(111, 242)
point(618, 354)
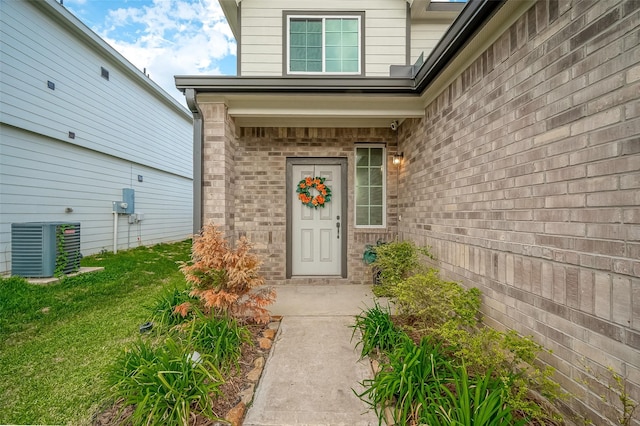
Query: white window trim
point(324, 18)
point(384, 185)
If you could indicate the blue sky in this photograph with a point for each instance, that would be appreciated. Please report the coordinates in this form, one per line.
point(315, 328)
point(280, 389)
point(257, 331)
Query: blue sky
point(167, 37)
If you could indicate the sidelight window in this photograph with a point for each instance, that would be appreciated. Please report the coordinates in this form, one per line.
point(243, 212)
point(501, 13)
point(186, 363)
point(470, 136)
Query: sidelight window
point(370, 191)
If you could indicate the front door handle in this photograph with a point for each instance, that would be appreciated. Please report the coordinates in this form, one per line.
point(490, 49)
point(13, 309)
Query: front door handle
point(338, 226)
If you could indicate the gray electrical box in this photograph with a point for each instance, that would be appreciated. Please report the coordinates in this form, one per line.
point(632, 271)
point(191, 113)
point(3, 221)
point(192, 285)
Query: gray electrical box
point(128, 196)
point(127, 205)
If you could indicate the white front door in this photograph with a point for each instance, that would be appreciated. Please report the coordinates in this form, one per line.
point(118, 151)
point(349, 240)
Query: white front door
point(316, 233)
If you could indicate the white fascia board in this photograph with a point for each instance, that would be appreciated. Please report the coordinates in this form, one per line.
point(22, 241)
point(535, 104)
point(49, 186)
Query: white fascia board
point(230, 10)
point(316, 122)
point(306, 105)
point(418, 8)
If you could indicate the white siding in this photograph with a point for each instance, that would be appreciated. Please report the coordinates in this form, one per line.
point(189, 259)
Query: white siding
point(41, 177)
point(424, 37)
point(119, 116)
point(125, 126)
point(262, 33)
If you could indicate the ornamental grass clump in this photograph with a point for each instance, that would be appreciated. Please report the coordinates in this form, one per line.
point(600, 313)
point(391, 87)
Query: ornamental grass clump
point(226, 279)
point(406, 382)
point(465, 400)
point(377, 331)
point(221, 338)
point(165, 384)
point(163, 314)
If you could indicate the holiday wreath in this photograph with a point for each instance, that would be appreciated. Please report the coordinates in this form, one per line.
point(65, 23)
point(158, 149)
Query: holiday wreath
point(304, 192)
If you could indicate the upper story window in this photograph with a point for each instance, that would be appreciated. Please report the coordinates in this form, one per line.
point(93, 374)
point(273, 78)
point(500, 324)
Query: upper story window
point(324, 44)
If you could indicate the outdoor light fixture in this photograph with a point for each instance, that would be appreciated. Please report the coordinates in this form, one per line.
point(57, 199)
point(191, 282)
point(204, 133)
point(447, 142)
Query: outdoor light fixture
point(397, 158)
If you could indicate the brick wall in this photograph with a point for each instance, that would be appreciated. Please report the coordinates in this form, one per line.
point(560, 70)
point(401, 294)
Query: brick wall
point(218, 182)
point(524, 177)
point(258, 179)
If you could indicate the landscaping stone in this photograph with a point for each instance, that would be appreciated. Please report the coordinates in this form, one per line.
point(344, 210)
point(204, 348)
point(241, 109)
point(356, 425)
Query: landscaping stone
point(254, 375)
point(264, 343)
point(375, 366)
point(246, 395)
point(388, 415)
point(259, 362)
point(236, 414)
point(269, 333)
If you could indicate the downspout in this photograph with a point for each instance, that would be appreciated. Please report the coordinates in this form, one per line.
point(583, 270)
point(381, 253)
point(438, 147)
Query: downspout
point(115, 231)
point(407, 35)
point(198, 142)
point(238, 44)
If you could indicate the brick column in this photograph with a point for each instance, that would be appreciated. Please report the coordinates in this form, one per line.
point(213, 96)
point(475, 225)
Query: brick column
point(218, 178)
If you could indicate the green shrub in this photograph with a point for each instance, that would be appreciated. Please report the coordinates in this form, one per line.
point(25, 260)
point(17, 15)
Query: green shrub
point(433, 301)
point(507, 355)
point(377, 331)
point(450, 313)
point(163, 312)
point(221, 338)
point(396, 261)
point(407, 382)
point(166, 384)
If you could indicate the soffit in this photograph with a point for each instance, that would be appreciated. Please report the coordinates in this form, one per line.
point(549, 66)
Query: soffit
point(316, 110)
point(435, 10)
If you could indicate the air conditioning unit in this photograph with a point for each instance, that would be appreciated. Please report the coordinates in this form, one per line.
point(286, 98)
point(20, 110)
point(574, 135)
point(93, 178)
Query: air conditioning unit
point(45, 249)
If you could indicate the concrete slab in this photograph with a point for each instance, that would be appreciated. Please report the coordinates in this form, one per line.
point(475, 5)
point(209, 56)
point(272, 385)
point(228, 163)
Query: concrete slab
point(313, 367)
point(322, 300)
point(53, 280)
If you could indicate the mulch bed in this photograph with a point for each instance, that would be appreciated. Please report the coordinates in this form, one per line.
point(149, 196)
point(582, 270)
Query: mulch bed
point(231, 390)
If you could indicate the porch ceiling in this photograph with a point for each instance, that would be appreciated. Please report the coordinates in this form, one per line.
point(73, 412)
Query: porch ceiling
point(319, 110)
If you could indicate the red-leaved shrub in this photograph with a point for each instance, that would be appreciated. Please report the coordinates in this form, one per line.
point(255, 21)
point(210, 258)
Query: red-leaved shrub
point(226, 279)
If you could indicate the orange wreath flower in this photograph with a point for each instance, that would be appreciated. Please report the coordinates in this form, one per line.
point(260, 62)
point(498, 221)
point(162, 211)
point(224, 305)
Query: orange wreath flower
point(317, 185)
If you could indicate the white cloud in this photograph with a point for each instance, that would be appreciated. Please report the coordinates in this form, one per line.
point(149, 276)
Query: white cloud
point(171, 37)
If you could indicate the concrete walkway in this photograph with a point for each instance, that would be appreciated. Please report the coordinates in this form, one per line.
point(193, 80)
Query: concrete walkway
point(313, 368)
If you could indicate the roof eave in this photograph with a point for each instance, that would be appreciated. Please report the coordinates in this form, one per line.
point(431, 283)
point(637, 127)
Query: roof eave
point(468, 22)
point(297, 85)
point(230, 9)
point(355, 95)
point(462, 29)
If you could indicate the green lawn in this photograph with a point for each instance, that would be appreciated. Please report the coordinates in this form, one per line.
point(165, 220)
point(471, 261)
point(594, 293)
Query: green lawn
point(58, 341)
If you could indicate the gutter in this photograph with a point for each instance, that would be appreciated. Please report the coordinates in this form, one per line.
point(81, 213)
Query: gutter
point(304, 84)
point(470, 20)
point(198, 141)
